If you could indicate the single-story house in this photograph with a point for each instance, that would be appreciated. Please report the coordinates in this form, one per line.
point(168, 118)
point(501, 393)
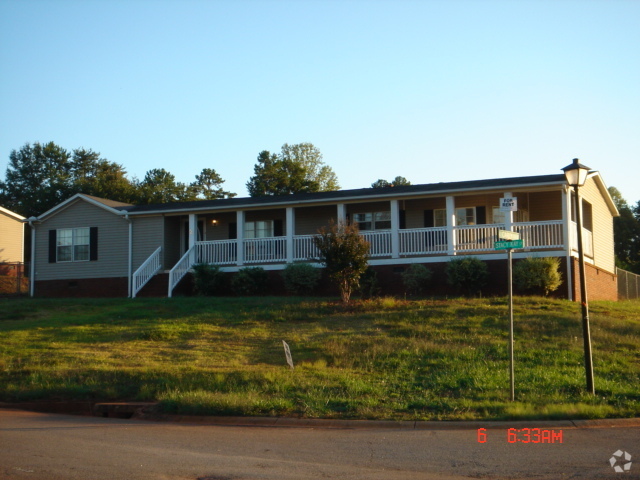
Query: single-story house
point(88, 246)
point(11, 237)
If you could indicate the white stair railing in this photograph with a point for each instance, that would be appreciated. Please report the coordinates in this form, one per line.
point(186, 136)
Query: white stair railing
point(146, 271)
point(181, 268)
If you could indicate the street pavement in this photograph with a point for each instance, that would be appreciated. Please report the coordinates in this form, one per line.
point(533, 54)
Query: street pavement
point(42, 446)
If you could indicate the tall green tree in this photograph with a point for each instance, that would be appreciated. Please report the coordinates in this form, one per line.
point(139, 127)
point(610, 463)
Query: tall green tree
point(97, 176)
point(160, 186)
point(396, 182)
point(38, 177)
point(626, 233)
point(297, 169)
point(208, 186)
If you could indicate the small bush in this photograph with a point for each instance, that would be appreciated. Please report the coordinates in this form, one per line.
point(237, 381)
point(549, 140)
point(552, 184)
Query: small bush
point(537, 275)
point(416, 279)
point(250, 281)
point(207, 279)
point(369, 286)
point(468, 275)
point(300, 278)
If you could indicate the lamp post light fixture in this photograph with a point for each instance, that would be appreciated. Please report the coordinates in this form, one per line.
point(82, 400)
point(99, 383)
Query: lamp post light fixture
point(576, 175)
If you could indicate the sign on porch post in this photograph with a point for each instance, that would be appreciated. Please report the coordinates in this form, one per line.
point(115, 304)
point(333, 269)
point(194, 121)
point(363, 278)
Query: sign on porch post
point(509, 204)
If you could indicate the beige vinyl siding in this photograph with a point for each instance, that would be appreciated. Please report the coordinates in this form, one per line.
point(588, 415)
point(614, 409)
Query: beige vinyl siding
point(11, 239)
point(113, 244)
point(310, 219)
point(414, 210)
point(602, 221)
point(220, 232)
point(148, 235)
point(545, 206)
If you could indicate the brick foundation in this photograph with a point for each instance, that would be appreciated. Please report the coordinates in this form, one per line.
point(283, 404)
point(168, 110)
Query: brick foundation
point(83, 288)
point(601, 285)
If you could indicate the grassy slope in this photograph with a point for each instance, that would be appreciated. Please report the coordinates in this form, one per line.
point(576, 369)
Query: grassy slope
point(427, 359)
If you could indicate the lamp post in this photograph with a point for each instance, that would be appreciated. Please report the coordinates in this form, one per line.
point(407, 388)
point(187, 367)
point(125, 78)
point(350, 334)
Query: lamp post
point(576, 175)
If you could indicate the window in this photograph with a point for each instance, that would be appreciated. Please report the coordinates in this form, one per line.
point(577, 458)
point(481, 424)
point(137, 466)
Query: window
point(73, 245)
point(373, 221)
point(258, 229)
point(466, 216)
point(440, 217)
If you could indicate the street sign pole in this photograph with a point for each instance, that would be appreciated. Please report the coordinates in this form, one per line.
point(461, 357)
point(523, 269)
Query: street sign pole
point(511, 369)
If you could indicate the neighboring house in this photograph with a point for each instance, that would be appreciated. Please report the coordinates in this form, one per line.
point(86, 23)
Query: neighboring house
point(11, 237)
point(88, 246)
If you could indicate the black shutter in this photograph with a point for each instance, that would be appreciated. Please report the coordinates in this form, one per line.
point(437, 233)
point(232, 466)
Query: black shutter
point(93, 244)
point(403, 219)
point(278, 230)
point(428, 219)
point(233, 230)
point(481, 215)
point(53, 238)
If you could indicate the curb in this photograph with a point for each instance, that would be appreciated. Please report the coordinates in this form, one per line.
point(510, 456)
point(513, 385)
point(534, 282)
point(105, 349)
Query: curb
point(144, 411)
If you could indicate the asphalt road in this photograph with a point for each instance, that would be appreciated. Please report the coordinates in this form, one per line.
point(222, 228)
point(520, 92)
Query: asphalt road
point(54, 447)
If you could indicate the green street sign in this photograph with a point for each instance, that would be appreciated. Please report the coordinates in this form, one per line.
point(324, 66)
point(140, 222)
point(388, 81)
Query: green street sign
point(508, 244)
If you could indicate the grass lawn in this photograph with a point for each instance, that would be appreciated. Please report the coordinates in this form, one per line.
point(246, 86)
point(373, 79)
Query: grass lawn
point(384, 359)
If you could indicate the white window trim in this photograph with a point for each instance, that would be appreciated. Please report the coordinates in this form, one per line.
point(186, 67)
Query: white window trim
point(73, 245)
point(373, 221)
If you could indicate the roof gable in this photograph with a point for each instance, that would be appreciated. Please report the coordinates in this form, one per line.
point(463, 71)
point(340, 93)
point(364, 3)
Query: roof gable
point(109, 205)
point(9, 213)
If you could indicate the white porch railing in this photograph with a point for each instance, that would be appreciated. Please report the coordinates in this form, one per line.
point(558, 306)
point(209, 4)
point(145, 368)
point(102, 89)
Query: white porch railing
point(412, 242)
point(222, 252)
point(423, 241)
point(541, 234)
point(587, 239)
point(379, 243)
point(181, 268)
point(304, 249)
point(476, 238)
point(145, 272)
point(265, 250)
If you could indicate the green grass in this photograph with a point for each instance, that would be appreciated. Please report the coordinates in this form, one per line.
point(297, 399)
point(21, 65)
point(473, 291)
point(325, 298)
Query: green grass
point(383, 359)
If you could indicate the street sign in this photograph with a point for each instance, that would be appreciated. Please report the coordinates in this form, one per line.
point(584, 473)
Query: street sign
point(508, 244)
point(509, 204)
point(508, 235)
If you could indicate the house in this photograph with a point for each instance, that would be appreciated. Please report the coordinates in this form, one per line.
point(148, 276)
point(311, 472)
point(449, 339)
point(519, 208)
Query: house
point(11, 242)
point(88, 246)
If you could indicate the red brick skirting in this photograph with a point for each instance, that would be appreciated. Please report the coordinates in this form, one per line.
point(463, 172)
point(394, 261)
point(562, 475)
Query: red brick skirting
point(83, 287)
point(601, 285)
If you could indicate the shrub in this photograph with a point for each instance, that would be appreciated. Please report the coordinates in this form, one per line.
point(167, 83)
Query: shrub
point(250, 281)
point(416, 279)
point(537, 275)
point(207, 279)
point(467, 275)
point(300, 278)
point(369, 286)
point(344, 252)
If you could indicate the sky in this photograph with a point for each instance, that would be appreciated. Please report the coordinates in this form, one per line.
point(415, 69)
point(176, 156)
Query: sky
point(431, 90)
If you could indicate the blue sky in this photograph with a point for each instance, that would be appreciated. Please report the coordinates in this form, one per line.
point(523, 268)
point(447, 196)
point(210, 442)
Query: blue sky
point(434, 91)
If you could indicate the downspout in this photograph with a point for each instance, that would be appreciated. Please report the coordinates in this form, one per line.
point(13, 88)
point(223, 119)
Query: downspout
point(32, 267)
point(130, 266)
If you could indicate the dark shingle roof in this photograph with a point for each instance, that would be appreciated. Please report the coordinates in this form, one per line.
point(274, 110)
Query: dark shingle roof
point(368, 193)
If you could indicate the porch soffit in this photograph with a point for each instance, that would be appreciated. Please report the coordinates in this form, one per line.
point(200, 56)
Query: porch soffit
point(545, 182)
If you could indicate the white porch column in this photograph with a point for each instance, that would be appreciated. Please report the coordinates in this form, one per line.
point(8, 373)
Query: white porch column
point(342, 213)
point(508, 216)
point(193, 230)
point(451, 222)
point(395, 229)
point(566, 236)
point(291, 228)
point(240, 237)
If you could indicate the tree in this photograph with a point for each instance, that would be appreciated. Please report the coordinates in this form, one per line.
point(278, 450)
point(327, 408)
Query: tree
point(626, 233)
point(344, 253)
point(38, 177)
point(160, 186)
point(297, 169)
point(208, 185)
point(396, 182)
point(97, 176)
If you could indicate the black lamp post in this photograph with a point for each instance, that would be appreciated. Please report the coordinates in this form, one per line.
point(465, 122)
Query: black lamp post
point(576, 175)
